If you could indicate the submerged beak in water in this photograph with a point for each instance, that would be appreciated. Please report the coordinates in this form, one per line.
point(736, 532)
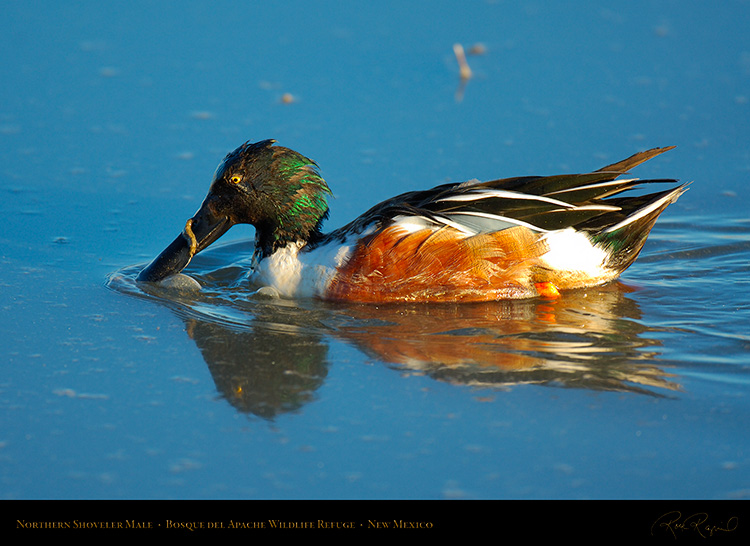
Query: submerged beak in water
point(200, 231)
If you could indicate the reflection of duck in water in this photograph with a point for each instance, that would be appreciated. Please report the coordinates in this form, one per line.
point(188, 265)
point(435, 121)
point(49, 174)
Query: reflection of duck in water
point(262, 370)
point(584, 339)
point(472, 241)
point(270, 357)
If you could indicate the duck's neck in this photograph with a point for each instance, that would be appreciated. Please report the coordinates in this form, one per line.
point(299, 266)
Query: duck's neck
point(272, 236)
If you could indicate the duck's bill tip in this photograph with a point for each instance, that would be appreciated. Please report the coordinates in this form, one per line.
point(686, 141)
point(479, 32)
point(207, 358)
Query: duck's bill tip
point(200, 231)
point(171, 261)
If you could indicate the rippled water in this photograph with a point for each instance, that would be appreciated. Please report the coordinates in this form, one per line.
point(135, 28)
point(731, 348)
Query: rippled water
point(268, 356)
point(112, 120)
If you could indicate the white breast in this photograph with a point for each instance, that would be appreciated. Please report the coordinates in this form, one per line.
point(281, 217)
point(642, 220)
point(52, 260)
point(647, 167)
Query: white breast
point(296, 274)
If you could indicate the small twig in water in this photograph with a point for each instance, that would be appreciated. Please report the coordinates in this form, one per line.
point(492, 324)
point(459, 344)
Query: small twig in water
point(463, 66)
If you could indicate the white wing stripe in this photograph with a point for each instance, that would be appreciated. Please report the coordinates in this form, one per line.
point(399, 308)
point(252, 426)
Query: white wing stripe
point(499, 219)
point(645, 210)
point(415, 223)
point(597, 185)
point(475, 195)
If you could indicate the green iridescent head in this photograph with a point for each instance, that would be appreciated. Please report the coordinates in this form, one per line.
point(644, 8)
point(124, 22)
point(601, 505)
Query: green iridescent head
point(277, 190)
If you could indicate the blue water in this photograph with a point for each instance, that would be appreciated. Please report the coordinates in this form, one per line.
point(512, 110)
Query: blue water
point(112, 120)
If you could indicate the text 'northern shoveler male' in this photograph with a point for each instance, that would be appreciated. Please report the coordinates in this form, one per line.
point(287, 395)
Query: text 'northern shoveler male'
point(473, 241)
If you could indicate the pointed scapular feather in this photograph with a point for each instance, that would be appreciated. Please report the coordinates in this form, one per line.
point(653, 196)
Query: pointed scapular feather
point(584, 202)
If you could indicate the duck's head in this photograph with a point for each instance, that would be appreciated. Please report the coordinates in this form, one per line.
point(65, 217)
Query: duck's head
point(275, 189)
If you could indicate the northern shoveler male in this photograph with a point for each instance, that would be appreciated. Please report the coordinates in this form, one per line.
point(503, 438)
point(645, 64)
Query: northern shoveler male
point(473, 241)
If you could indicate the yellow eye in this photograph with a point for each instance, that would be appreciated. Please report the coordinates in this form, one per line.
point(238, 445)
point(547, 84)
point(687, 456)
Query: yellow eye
point(235, 179)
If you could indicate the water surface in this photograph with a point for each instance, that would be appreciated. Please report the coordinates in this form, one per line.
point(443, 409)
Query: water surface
point(113, 118)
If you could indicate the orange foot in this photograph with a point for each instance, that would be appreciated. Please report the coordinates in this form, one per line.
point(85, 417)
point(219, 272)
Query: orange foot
point(547, 290)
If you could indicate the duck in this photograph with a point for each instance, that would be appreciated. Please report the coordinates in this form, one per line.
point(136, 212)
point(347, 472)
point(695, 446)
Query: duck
point(512, 238)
